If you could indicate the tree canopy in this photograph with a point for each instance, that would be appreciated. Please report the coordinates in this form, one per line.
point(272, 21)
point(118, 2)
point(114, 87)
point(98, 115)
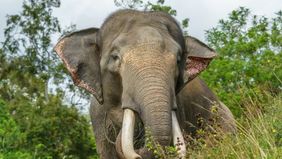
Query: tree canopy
point(35, 122)
point(250, 53)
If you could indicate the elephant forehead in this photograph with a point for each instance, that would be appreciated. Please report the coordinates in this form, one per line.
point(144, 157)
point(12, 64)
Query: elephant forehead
point(148, 54)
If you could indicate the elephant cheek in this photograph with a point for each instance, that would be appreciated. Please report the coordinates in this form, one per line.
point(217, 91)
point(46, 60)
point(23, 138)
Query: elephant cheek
point(116, 115)
point(128, 102)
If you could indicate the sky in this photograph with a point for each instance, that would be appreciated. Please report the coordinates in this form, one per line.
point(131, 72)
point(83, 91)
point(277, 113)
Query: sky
point(203, 14)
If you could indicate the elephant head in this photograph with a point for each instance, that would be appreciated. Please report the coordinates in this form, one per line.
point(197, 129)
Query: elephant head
point(140, 61)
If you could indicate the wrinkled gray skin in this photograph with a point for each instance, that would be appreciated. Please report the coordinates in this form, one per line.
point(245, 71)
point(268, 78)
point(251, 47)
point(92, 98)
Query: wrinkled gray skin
point(141, 61)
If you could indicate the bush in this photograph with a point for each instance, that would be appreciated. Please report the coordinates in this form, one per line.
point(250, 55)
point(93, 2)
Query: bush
point(11, 137)
point(250, 53)
point(44, 130)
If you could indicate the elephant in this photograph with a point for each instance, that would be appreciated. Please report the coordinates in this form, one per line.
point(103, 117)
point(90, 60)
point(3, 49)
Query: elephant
point(142, 70)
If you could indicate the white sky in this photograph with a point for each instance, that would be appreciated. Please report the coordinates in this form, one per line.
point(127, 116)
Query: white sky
point(203, 14)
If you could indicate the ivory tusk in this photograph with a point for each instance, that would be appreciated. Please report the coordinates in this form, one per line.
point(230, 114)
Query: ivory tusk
point(178, 139)
point(127, 135)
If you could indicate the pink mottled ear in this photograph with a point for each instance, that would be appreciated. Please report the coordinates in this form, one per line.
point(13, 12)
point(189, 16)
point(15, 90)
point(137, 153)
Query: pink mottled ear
point(80, 54)
point(198, 57)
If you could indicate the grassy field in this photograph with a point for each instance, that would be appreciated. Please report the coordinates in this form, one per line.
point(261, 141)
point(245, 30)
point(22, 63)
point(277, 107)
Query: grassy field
point(259, 132)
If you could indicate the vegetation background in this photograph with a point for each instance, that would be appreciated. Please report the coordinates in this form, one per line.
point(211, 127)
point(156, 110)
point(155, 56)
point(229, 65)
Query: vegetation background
point(39, 118)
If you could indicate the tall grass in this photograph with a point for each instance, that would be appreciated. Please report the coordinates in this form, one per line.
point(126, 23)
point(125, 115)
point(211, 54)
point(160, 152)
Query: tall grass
point(259, 133)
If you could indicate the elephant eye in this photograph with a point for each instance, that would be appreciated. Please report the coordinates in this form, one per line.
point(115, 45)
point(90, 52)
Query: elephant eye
point(114, 62)
point(115, 55)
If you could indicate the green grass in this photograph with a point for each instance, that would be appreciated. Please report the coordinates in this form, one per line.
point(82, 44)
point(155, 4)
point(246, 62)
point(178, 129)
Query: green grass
point(259, 132)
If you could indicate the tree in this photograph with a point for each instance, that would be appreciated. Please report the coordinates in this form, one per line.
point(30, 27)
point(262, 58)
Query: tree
point(41, 122)
point(250, 53)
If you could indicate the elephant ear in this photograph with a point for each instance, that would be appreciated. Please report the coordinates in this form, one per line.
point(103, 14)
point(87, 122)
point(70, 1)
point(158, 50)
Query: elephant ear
point(80, 54)
point(198, 56)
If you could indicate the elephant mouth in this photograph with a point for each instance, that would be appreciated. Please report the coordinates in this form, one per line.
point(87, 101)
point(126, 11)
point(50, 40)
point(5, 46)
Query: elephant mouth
point(126, 145)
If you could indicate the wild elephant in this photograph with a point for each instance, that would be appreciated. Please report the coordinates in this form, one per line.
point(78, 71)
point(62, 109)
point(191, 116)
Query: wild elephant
point(141, 69)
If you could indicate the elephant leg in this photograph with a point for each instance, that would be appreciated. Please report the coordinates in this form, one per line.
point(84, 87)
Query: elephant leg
point(105, 149)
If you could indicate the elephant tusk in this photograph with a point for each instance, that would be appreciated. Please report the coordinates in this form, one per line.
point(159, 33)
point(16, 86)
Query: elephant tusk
point(127, 135)
point(178, 139)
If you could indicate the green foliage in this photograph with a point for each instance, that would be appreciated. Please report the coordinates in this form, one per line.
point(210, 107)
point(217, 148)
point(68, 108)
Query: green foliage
point(159, 151)
point(54, 129)
point(36, 122)
point(27, 50)
point(250, 53)
point(159, 6)
point(29, 54)
point(44, 130)
point(11, 137)
point(28, 36)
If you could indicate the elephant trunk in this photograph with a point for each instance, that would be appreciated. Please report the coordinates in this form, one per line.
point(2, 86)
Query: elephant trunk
point(155, 100)
point(149, 90)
